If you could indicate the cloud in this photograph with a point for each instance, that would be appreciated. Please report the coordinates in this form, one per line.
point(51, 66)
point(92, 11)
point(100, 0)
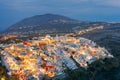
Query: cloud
point(64, 6)
point(34, 4)
point(37, 3)
point(112, 3)
point(87, 9)
point(109, 3)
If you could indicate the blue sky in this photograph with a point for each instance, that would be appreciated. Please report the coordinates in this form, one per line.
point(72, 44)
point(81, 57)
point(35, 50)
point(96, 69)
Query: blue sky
point(12, 11)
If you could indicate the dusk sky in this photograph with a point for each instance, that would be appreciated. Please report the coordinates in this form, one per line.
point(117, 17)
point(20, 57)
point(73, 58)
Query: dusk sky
point(12, 11)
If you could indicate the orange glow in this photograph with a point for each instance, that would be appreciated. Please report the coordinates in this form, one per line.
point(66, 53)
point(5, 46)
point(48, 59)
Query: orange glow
point(27, 43)
point(47, 56)
point(51, 74)
point(8, 37)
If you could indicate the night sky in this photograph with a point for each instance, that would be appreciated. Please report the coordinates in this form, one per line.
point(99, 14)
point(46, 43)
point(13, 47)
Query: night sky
point(12, 11)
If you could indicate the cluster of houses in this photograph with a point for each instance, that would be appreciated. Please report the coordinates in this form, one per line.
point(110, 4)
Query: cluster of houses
point(50, 56)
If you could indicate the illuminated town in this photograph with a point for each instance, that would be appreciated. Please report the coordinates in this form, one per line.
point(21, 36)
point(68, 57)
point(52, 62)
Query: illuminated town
point(50, 56)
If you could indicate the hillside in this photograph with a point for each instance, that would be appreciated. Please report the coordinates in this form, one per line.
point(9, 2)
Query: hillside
point(42, 23)
point(51, 24)
point(107, 37)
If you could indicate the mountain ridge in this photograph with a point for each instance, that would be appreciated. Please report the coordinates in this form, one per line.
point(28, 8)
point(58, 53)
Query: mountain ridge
point(54, 23)
point(42, 19)
point(41, 23)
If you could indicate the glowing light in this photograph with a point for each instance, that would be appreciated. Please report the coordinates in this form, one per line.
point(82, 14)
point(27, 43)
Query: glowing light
point(48, 58)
